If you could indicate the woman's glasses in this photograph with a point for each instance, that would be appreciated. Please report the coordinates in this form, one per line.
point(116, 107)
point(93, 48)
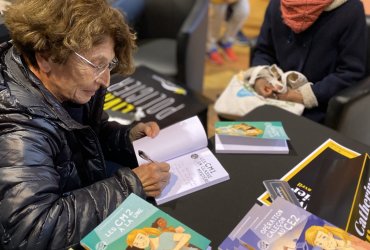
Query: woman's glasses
point(99, 69)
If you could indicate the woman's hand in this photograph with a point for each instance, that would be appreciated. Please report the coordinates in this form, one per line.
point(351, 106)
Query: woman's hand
point(154, 177)
point(150, 129)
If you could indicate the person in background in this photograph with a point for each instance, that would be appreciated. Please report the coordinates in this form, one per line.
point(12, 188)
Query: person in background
point(218, 11)
point(55, 138)
point(324, 40)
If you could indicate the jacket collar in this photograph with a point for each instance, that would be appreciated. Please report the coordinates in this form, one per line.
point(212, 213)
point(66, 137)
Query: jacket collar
point(32, 94)
point(335, 4)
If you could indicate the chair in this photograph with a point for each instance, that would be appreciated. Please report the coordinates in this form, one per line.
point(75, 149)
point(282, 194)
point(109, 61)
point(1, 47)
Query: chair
point(172, 39)
point(348, 112)
point(4, 32)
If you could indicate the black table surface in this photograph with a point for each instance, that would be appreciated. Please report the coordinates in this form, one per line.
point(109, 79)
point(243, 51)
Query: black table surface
point(216, 210)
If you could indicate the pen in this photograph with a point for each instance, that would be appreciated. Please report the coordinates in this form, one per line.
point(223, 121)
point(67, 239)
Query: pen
point(143, 155)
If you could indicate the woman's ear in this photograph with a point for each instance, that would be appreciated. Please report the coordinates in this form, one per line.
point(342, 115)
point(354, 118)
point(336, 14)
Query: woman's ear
point(43, 62)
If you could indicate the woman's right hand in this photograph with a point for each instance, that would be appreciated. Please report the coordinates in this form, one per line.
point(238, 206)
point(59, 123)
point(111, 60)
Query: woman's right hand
point(264, 88)
point(154, 177)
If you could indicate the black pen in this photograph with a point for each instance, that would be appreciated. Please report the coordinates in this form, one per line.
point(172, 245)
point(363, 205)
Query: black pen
point(143, 155)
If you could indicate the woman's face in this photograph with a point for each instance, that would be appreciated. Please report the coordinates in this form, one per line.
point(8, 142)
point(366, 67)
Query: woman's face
point(77, 80)
point(162, 223)
point(325, 241)
point(141, 241)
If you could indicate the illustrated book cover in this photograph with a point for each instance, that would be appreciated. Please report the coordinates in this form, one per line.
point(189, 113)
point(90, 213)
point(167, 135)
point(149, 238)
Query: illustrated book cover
point(137, 224)
point(286, 226)
point(192, 165)
point(251, 137)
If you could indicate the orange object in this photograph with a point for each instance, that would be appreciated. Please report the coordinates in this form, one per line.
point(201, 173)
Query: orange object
point(367, 7)
point(216, 58)
point(300, 15)
point(230, 54)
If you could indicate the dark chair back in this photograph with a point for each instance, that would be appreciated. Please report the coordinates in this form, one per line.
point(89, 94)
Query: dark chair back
point(349, 113)
point(172, 39)
point(368, 46)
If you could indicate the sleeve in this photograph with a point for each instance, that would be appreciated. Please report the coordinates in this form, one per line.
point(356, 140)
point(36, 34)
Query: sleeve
point(264, 52)
point(35, 213)
point(116, 143)
point(351, 59)
point(113, 136)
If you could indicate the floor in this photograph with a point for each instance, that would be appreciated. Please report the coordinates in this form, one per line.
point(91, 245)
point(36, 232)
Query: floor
point(217, 77)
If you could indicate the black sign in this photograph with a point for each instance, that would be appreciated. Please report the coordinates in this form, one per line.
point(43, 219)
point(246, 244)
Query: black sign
point(148, 96)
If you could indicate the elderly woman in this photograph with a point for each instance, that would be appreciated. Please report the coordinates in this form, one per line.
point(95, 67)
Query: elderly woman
point(54, 137)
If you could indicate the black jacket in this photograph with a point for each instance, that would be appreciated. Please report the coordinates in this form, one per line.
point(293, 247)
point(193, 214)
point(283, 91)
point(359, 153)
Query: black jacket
point(53, 183)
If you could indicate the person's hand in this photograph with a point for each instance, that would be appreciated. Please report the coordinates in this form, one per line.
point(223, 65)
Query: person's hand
point(291, 95)
point(264, 88)
point(154, 177)
point(179, 229)
point(150, 129)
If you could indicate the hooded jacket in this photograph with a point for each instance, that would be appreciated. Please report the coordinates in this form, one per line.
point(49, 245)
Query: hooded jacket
point(54, 187)
point(331, 53)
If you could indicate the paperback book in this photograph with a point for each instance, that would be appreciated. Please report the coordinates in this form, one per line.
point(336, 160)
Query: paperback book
point(146, 96)
point(184, 146)
point(334, 178)
point(251, 137)
point(284, 225)
point(137, 223)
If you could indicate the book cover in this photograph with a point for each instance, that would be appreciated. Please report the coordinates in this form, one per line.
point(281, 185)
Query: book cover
point(137, 223)
point(303, 176)
point(334, 178)
point(192, 165)
point(250, 137)
point(232, 241)
point(344, 187)
point(147, 96)
point(286, 226)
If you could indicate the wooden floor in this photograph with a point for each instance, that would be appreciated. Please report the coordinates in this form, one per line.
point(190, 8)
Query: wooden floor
point(217, 77)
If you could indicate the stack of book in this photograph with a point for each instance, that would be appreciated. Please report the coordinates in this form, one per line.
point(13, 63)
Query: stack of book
point(322, 203)
point(284, 225)
point(251, 137)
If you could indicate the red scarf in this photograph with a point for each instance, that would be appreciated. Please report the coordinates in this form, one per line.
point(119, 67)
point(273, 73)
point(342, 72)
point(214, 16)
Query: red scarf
point(299, 15)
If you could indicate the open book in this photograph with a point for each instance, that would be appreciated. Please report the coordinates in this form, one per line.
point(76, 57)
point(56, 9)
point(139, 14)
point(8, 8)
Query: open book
point(184, 146)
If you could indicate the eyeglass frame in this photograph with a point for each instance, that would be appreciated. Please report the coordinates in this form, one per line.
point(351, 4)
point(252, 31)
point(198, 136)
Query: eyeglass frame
point(99, 69)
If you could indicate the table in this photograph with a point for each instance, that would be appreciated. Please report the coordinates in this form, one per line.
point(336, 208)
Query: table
point(215, 211)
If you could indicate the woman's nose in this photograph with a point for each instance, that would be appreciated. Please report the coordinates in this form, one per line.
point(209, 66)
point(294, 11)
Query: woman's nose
point(104, 79)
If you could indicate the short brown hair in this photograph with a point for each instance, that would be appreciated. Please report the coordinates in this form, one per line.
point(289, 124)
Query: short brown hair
point(59, 27)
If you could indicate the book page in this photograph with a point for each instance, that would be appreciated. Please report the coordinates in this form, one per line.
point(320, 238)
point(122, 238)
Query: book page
point(192, 172)
point(176, 140)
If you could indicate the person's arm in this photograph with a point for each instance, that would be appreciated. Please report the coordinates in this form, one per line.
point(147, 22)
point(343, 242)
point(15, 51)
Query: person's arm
point(264, 52)
point(35, 213)
point(182, 239)
point(351, 58)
